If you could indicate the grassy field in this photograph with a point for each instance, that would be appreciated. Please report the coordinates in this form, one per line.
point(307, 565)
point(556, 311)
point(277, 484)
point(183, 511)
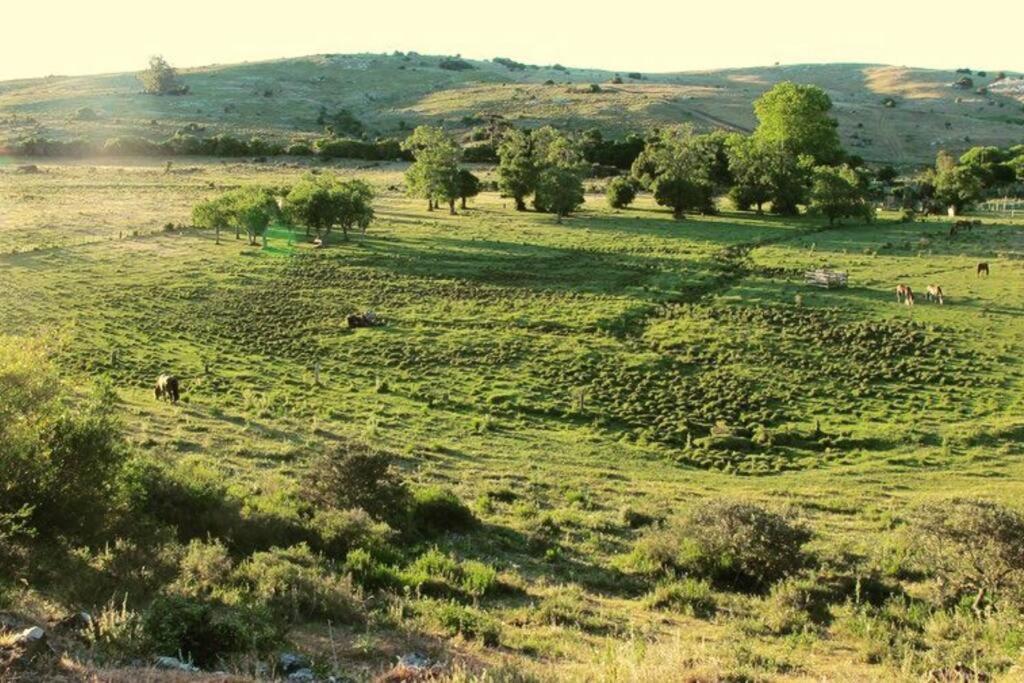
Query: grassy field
point(555, 376)
point(391, 94)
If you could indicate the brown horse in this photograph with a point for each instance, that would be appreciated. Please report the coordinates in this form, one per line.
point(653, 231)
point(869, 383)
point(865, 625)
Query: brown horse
point(983, 268)
point(904, 294)
point(167, 388)
point(933, 293)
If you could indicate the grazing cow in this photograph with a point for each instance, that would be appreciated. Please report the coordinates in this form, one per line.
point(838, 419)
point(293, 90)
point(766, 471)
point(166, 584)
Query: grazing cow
point(368, 319)
point(167, 388)
point(904, 294)
point(983, 268)
point(934, 293)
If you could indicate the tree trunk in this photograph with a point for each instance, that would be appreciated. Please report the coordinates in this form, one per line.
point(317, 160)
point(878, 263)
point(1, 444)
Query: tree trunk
point(451, 206)
point(558, 218)
point(678, 214)
point(344, 232)
point(520, 204)
point(978, 599)
point(238, 233)
point(430, 205)
point(760, 208)
point(463, 202)
point(217, 232)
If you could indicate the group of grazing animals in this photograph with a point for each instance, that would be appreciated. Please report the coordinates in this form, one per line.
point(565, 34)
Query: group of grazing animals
point(905, 295)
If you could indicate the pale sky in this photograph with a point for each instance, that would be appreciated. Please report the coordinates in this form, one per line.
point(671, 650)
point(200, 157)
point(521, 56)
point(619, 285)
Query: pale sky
point(41, 37)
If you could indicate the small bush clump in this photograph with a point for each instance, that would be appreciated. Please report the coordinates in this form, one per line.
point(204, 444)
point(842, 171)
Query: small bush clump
point(689, 596)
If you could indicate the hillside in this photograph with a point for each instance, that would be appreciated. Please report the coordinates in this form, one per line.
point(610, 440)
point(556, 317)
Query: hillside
point(390, 94)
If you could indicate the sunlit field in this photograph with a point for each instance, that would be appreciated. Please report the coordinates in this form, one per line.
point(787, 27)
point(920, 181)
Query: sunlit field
point(574, 384)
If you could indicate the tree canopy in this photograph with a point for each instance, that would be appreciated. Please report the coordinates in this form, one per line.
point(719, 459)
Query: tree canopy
point(434, 175)
point(322, 202)
point(679, 166)
point(160, 78)
point(836, 192)
point(797, 116)
point(248, 209)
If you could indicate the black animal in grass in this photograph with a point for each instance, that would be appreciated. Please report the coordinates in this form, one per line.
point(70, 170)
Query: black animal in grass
point(983, 268)
point(167, 387)
point(368, 319)
point(963, 225)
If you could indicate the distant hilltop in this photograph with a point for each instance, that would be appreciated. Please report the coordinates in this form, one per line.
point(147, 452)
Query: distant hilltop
point(886, 114)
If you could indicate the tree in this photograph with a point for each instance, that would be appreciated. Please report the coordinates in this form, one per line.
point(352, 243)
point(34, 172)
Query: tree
point(956, 187)
point(517, 170)
point(989, 165)
point(322, 202)
point(469, 185)
point(836, 193)
point(161, 78)
point(212, 214)
point(248, 209)
point(252, 209)
point(797, 116)
point(679, 166)
point(559, 190)
point(974, 547)
point(560, 179)
point(621, 192)
point(435, 173)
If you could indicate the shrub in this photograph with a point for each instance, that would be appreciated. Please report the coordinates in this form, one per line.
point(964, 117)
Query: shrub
point(60, 467)
point(205, 632)
point(340, 531)
point(455, 64)
point(478, 579)
point(468, 622)
point(295, 584)
point(369, 572)
point(621, 193)
point(356, 476)
point(789, 606)
point(689, 596)
point(436, 510)
point(974, 547)
point(298, 149)
point(203, 569)
point(735, 544)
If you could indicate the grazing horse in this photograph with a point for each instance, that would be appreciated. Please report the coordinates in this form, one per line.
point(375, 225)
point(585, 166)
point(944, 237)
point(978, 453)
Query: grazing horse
point(904, 294)
point(983, 268)
point(167, 388)
point(933, 293)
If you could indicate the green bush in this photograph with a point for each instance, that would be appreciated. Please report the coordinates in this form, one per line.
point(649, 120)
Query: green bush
point(689, 596)
point(468, 622)
point(296, 584)
point(60, 467)
point(792, 606)
point(975, 548)
point(204, 569)
point(734, 544)
point(356, 476)
point(436, 510)
point(621, 192)
point(205, 632)
point(340, 531)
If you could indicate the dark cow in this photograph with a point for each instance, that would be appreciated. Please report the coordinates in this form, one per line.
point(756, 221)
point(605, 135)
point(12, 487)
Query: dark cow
point(983, 268)
point(368, 319)
point(167, 388)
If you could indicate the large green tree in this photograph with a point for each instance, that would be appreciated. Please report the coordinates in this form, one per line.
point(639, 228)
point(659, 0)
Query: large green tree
point(798, 117)
point(680, 166)
point(469, 185)
point(323, 202)
point(247, 209)
point(559, 162)
point(836, 192)
point(517, 170)
point(434, 175)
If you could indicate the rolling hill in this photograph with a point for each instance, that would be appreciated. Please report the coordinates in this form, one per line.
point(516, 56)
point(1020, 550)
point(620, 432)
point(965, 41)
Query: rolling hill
point(887, 114)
